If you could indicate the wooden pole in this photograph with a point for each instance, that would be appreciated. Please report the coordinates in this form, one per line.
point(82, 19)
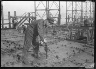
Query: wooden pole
point(9, 19)
point(2, 16)
point(90, 12)
point(59, 15)
point(35, 8)
point(86, 8)
point(68, 18)
point(66, 12)
point(15, 14)
point(29, 17)
point(46, 9)
point(75, 9)
point(82, 11)
point(72, 10)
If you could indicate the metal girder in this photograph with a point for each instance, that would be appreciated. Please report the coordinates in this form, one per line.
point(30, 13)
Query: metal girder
point(47, 10)
point(77, 10)
point(2, 15)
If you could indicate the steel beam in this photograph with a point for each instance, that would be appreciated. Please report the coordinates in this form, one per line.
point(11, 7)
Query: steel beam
point(2, 15)
point(9, 19)
point(48, 9)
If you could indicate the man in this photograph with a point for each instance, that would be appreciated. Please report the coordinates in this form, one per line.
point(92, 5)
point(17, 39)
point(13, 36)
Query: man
point(15, 23)
point(33, 30)
point(85, 22)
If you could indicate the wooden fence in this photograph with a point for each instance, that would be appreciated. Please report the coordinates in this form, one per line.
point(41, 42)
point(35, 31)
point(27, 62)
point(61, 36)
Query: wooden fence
point(9, 24)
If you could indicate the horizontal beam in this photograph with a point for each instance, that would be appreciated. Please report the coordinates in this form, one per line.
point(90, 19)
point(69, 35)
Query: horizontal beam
point(22, 17)
point(53, 9)
point(45, 9)
point(6, 23)
point(5, 19)
point(74, 10)
point(40, 9)
point(73, 18)
point(6, 28)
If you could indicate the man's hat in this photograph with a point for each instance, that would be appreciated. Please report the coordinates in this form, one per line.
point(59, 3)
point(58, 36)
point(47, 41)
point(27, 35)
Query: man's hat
point(50, 19)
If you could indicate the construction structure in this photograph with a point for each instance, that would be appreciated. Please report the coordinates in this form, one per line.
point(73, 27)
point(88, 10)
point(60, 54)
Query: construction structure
point(79, 10)
point(48, 9)
point(29, 16)
point(69, 45)
point(74, 11)
point(2, 16)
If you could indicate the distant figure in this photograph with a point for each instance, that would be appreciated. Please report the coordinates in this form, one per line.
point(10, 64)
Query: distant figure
point(15, 23)
point(33, 30)
point(24, 28)
point(85, 22)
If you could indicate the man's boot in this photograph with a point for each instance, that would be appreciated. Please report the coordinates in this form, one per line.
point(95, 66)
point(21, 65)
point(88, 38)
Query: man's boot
point(25, 57)
point(25, 60)
point(36, 49)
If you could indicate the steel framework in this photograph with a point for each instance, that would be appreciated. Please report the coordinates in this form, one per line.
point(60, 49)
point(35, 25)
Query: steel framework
point(47, 10)
point(2, 16)
point(74, 10)
point(79, 10)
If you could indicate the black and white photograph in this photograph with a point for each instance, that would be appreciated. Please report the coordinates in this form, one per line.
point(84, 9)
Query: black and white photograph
point(47, 33)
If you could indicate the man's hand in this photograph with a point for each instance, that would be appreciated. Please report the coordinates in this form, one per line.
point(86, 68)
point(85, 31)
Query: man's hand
point(43, 42)
point(45, 46)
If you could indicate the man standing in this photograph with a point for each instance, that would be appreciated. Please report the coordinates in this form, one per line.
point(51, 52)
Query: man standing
point(15, 23)
point(33, 30)
point(85, 22)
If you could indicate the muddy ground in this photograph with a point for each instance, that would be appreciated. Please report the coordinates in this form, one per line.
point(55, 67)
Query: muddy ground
point(61, 53)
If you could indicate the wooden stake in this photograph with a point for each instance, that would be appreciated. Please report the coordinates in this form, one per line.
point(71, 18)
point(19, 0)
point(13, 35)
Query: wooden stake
point(9, 19)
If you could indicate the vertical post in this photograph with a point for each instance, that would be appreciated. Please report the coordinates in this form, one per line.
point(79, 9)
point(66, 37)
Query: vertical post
point(72, 10)
point(15, 14)
point(82, 11)
point(74, 18)
point(68, 18)
point(2, 16)
point(46, 9)
point(90, 11)
point(93, 10)
point(9, 19)
point(66, 12)
point(59, 18)
point(29, 17)
point(75, 9)
point(47, 13)
point(86, 8)
point(35, 8)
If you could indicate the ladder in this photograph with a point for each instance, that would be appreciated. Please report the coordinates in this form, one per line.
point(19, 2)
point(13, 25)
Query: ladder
point(24, 17)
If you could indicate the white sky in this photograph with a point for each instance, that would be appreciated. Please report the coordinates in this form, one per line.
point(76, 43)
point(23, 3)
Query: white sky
point(27, 6)
point(19, 6)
